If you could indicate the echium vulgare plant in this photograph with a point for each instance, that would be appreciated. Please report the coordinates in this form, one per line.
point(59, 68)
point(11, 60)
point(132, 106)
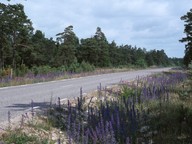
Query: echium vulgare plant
point(117, 120)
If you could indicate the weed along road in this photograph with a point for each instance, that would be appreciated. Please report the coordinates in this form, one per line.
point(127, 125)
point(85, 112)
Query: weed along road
point(18, 99)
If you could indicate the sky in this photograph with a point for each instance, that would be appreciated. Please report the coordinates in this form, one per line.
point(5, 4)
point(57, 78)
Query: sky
point(150, 24)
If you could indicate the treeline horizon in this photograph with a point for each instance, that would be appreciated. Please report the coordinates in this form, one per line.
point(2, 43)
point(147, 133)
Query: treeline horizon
point(21, 45)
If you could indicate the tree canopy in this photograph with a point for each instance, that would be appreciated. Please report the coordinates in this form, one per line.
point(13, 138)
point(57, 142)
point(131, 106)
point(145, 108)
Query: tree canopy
point(21, 45)
point(16, 30)
point(187, 18)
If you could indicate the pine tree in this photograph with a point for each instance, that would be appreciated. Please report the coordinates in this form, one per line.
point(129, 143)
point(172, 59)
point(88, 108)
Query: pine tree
point(188, 39)
point(67, 46)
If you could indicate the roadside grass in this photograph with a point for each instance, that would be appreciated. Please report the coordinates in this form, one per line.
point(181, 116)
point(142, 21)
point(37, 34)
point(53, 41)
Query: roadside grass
point(171, 119)
point(19, 137)
point(51, 76)
point(153, 109)
point(33, 130)
point(148, 110)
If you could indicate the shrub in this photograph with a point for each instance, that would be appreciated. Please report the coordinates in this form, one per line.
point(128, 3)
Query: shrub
point(87, 66)
point(41, 70)
point(190, 66)
point(62, 68)
point(22, 70)
point(74, 67)
point(5, 72)
point(141, 63)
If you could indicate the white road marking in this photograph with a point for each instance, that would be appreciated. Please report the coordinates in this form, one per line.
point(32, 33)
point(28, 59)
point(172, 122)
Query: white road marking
point(36, 107)
point(29, 109)
point(64, 99)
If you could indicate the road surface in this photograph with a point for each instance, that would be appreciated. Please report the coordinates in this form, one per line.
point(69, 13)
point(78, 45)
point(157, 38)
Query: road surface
point(17, 99)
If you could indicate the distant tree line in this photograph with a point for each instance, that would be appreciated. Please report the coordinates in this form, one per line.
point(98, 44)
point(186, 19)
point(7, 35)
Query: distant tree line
point(21, 45)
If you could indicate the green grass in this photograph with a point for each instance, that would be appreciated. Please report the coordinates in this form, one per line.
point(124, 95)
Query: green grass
point(31, 132)
point(19, 137)
point(168, 122)
point(173, 119)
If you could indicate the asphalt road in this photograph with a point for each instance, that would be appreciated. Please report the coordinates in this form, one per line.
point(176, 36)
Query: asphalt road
point(17, 99)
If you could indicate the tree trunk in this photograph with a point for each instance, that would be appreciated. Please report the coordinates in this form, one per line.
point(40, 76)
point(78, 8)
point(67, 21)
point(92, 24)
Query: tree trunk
point(1, 50)
point(14, 51)
point(1, 56)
